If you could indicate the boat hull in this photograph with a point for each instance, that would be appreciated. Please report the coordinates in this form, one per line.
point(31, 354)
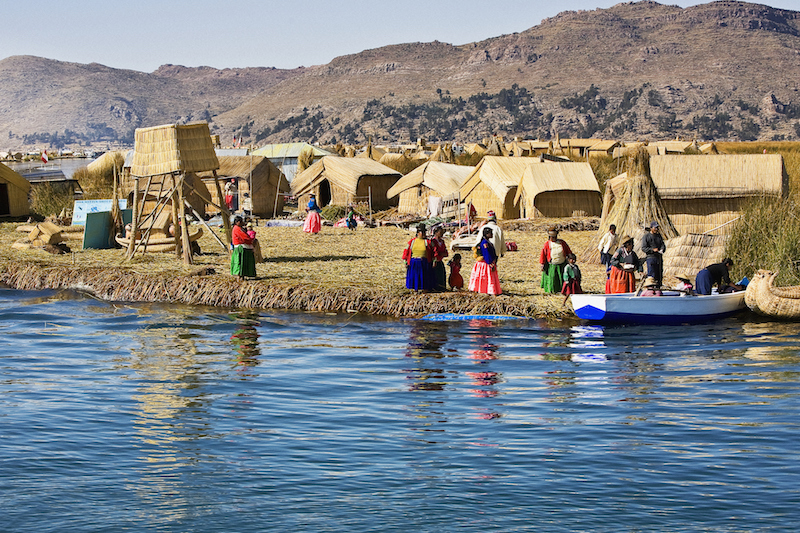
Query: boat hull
point(671, 308)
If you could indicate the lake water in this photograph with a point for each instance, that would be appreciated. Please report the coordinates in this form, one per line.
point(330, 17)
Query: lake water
point(165, 418)
point(68, 166)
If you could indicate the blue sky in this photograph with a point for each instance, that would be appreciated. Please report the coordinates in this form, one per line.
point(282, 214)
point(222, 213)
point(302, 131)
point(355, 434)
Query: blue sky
point(144, 34)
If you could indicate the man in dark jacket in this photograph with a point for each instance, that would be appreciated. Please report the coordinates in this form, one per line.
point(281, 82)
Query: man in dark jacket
point(653, 246)
point(716, 274)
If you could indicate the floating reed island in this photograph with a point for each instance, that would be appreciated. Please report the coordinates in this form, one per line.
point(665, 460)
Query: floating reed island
point(334, 271)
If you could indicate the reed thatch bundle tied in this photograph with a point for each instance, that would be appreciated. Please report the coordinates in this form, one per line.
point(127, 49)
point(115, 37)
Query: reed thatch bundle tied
point(634, 207)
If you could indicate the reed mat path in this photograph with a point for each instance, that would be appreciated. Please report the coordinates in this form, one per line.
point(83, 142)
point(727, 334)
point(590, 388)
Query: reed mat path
point(334, 271)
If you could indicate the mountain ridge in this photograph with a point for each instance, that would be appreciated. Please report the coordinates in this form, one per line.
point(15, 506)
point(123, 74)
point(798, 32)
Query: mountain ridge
point(722, 70)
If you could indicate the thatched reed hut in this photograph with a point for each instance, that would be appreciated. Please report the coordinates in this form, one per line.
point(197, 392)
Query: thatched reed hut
point(574, 147)
point(475, 148)
point(14, 191)
point(400, 162)
point(540, 147)
point(492, 185)
point(255, 177)
point(105, 163)
point(558, 190)
point(603, 148)
point(443, 154)
point(344, 180)
point(431, 180)
point(371, 152)
point(671, 147)
point(496, 147)
point(704, 193)
point(286, 156)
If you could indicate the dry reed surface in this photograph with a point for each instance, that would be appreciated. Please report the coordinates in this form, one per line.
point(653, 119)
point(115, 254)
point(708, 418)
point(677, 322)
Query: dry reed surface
point(336, 270)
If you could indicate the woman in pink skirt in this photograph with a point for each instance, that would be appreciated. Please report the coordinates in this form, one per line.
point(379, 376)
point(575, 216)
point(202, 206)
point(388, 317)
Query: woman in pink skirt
point(484, 277)
point(313, 220)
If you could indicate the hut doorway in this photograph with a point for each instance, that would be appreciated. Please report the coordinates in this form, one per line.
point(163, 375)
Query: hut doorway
point(5, 205)
point(324, 195)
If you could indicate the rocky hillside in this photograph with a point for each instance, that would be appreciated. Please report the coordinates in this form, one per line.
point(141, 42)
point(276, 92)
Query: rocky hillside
point(723, 70)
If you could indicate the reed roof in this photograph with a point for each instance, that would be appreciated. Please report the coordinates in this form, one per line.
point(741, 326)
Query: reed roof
point(289, 150)
point(672, 146)
point(261, 169)
point(107, 161)
point(578, 143)
point(173, 148)
point(499, 173)
point(344, 172)
point(604, 146)
point(716, 176)
point(14, 178)
point(537, 179)
point(444, 178)
point(372, 152)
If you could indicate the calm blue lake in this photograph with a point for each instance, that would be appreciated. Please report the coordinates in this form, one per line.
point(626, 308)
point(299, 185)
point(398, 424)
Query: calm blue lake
point(118, 417)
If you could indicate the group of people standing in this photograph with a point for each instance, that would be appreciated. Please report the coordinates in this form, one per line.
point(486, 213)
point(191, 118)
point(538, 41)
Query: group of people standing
point(424, 259)
point(623, 264)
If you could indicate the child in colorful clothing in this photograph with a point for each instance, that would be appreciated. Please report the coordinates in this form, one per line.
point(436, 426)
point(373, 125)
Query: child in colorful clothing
point(572, 278)
point(456, 281)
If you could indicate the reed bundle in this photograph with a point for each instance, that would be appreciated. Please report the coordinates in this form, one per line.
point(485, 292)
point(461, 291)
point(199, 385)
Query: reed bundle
point(637, 205)
point(173, 148)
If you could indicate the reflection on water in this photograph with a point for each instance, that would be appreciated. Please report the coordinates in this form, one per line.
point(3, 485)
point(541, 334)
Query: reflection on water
point(245, 338)
point(170, 418)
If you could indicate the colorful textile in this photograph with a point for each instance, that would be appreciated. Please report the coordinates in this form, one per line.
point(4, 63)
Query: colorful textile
point(313, 222)
point(484, 279)
point(572, 280)
point(620, 281)
point(240, 236)
point(243, 263)
point(456, 281)
point(440, 276)
point(419, 274)
point(553, 277)
point(547, 253)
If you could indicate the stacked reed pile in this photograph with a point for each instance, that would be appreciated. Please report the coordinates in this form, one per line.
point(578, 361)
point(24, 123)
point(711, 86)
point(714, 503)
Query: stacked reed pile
point(636, 205)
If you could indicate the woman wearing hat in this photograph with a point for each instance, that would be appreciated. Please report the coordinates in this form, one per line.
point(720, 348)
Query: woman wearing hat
point(553, 259)
point(313, 220)
point(624, 264)
point(651, 287)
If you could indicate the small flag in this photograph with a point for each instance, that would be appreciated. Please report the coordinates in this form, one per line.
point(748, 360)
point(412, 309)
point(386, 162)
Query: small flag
point(44, 157)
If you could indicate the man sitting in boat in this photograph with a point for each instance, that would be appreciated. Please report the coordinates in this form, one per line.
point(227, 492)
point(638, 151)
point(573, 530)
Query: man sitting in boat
point(717, 274)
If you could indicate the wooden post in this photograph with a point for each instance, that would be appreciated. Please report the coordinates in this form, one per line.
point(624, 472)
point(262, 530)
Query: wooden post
point(174, 207)
point(135, 218)
point(369, 189)
point(184, 226)
point(277, 192)
point(224, 213)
